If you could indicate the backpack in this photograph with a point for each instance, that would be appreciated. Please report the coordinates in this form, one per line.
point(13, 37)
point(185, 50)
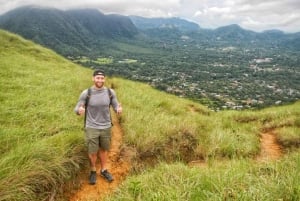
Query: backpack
point(88, 99)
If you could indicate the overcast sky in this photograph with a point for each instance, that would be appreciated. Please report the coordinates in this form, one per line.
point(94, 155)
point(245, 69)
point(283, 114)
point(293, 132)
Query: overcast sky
point(257, 15)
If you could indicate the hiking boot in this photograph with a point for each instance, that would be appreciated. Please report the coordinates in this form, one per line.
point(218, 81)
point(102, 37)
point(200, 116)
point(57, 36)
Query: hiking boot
point(93, 177)
point(106, 175)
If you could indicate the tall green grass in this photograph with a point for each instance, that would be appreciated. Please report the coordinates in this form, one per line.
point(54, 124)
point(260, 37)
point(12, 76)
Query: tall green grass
point(41, 144)
point(233, 180)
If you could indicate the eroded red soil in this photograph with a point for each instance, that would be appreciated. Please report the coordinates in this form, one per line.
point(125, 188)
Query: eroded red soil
point(270, 149)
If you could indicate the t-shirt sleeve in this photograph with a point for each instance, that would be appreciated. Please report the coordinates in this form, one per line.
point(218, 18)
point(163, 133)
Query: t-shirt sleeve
point(81, 101)
point(114, 101)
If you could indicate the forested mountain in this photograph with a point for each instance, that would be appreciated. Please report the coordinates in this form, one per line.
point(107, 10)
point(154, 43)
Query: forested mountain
point(143, 23)
point(98, 24)
point(227, 67)
point(67, 32)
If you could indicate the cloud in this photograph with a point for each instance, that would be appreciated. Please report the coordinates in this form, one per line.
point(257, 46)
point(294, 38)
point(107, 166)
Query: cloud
point(275, 14)
point(256, 15)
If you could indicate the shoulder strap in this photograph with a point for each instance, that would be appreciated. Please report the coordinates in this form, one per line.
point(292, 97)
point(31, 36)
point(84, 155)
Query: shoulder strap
point(86, 104)
point(110, 102)
point(110, 95)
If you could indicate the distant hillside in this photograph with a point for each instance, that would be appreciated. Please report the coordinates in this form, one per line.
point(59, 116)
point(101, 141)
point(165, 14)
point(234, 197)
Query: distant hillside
point(171, 23)
point(100, 25)
point(67, 32)
point(234, 32)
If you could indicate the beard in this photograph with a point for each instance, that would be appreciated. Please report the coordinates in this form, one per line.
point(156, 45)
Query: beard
point(99, 84)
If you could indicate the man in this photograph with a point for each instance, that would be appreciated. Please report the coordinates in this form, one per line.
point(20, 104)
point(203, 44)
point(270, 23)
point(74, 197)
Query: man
point(95, 107)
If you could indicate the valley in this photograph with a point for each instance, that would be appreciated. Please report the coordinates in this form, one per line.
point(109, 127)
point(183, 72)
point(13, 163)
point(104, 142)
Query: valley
point(225, 77)
point(224, 68)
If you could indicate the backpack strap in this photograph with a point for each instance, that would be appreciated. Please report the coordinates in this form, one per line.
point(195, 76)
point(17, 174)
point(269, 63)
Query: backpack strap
point(110, 102)
point(86, 104)
point(110, 96)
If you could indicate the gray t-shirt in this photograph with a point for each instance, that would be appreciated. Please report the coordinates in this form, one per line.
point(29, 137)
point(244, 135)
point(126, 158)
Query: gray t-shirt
point(98, 112)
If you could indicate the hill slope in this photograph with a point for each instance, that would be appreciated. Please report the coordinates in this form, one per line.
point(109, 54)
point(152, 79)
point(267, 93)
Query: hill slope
point(153, 23)
point(42, 145)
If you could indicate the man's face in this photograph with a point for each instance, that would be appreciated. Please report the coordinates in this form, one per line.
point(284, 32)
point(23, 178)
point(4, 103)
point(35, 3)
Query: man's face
point(99, 81)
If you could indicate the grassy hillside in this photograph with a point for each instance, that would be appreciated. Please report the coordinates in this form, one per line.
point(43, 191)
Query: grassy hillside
point(41, 140)
point(234, 180)
point(41, 144)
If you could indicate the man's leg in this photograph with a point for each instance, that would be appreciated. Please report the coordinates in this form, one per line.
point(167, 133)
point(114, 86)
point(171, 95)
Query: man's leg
point(93, 161)
point(105, 140)
point(92, 141)
point(93, 174)
point(103, 155)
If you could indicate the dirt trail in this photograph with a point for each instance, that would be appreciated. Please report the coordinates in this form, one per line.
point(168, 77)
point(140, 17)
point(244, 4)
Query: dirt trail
point(116, 165)
point(270, 149)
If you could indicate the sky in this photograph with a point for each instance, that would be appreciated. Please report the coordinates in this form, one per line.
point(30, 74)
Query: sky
point(256, 15)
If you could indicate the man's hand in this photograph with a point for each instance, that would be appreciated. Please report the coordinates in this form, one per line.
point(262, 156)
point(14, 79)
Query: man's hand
point(81, 110)
point(119, 109)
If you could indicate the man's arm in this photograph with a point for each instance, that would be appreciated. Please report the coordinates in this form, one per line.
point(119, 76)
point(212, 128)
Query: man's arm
point(115, 104)
point(80, 106)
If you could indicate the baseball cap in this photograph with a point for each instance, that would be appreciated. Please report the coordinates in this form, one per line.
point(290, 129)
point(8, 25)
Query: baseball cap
point(98, 72)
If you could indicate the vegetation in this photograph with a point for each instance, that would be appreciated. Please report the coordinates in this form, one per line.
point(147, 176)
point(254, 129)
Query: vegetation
point(42, 146)
point(234, 180)
point(41, 140)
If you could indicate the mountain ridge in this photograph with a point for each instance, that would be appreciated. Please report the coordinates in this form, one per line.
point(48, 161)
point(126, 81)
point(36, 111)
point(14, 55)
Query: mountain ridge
point(144, 23)
point(85, 30)
point(67, 32)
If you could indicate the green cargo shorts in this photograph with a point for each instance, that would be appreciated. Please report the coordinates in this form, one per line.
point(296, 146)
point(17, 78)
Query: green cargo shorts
point(97, 138)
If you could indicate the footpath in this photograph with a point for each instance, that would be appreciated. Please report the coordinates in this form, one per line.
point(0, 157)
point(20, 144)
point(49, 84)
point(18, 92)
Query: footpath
point(118, 166)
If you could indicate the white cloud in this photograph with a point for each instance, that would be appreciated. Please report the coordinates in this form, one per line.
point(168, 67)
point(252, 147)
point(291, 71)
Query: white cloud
point(256, 15)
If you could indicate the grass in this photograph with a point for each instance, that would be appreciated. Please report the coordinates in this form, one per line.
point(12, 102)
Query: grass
point(42, 147)
point(233, 180)
point(41, 139)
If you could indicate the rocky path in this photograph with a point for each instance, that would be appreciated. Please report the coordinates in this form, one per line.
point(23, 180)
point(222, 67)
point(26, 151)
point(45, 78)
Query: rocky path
point(270, 150)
